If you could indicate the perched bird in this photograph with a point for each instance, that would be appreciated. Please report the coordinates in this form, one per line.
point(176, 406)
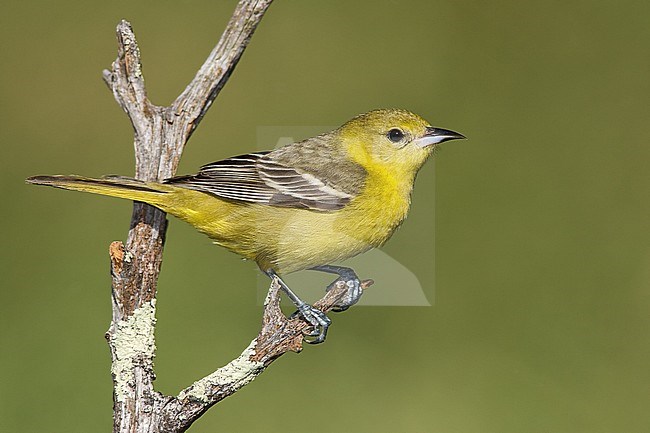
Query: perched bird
point(302, 206)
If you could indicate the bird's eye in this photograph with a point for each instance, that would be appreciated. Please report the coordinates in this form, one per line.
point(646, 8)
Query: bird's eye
point(395, 135)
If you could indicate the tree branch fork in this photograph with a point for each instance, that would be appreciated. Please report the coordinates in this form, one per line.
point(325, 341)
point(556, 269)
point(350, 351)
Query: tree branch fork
point(160, 135)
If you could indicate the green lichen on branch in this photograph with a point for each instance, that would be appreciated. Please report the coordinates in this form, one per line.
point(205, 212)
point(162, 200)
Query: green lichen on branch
point(133, 345)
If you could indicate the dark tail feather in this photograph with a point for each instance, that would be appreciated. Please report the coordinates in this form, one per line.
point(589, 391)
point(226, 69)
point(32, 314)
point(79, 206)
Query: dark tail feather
point(114, 186)
point(65, 182)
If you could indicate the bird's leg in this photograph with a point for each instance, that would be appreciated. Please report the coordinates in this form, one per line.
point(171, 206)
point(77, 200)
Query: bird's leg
point(352, 282)
point(316, 318)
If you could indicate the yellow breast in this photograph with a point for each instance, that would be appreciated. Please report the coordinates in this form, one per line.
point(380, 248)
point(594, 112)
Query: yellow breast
point(288, 239)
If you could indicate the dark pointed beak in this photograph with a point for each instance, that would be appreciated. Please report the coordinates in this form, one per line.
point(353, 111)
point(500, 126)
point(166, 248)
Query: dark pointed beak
point(435, 135)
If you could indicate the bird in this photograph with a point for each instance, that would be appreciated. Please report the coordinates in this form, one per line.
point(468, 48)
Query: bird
point(306, 205)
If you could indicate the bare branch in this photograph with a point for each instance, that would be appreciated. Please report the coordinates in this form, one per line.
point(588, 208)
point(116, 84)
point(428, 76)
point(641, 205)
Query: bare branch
point(160, 134)
point(126, 79)
point(210, 79)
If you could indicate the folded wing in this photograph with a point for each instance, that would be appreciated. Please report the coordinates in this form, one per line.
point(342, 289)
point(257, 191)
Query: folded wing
point(259, 178)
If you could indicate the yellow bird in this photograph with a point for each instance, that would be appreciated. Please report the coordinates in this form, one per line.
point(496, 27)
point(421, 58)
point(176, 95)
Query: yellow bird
point(302, 206)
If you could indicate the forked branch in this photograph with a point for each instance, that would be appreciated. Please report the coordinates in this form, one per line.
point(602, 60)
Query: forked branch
point(160, 135)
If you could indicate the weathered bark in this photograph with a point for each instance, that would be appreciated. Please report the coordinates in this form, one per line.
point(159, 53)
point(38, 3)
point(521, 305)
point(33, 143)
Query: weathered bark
point(160, 134)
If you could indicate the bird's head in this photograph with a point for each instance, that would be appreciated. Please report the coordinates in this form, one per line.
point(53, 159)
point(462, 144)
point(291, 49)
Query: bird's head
point(392, 139)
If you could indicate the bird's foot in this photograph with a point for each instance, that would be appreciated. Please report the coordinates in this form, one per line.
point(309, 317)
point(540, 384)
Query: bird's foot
point(354, 289)
point(317, 319)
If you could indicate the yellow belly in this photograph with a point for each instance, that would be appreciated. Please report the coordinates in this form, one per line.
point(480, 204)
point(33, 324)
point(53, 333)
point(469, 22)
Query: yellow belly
point(287, 239)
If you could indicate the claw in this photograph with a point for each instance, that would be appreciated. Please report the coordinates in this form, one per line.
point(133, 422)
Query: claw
point(352, 296)
point(316, 318)
point(313, 333)
point(319, 323)
point(352, 282)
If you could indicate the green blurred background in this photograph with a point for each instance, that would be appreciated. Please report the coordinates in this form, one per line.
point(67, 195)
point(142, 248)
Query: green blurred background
point(542, 252)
